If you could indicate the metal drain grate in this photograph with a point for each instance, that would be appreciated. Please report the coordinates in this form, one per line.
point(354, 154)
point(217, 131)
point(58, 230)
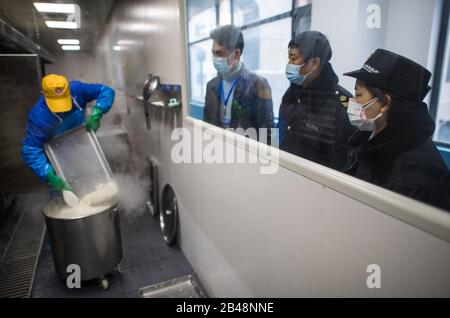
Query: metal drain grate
point(182, 287)
point(19, 262)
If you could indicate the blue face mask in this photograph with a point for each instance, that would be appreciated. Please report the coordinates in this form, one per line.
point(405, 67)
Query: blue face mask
point(221, 65)
point(293, 74)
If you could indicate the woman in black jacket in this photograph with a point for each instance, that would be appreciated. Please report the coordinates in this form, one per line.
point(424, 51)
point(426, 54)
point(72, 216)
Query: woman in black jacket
point(393, 147)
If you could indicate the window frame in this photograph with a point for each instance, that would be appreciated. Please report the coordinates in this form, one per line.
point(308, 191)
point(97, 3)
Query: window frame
point(255, 24)
point(439, 72)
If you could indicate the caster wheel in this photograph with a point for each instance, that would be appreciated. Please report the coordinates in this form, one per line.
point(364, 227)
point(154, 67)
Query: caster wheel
point(169, 215)
point(152, 203)
point(103, 283)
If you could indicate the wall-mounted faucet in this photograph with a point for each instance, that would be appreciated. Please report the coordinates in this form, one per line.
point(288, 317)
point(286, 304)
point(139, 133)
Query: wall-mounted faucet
point(150, 86)
point(164, 96)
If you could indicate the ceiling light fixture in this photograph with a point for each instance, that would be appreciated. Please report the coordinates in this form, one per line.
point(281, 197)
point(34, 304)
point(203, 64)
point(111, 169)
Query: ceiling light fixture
point(68, 41)
point(61, 24)
point(70, 47)
point(125, 42)
point(54, 7)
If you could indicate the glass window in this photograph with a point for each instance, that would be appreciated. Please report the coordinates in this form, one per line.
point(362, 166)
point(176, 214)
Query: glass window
point(301, 18)
point(201, 22)
point(313, 122)
point(301, 3)
point(202, 69)
point(259, 54)
point(443, 110)
point(260, 57)
point(249, 11)
point(448, 67)
point(225, 12)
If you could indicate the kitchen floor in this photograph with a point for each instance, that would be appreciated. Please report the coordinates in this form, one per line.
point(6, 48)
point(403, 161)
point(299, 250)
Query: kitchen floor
point(147, 259)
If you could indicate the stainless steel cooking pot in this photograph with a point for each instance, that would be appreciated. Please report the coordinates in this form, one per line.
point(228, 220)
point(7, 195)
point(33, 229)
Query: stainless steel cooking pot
point(92, 242)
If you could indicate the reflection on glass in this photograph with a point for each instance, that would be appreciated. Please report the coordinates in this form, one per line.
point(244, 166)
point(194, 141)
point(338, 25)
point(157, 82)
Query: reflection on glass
point(301, 3)
point(308, 128)
point(260, 57)
point(249, 11)
point(201, 24)
point(443, 111)
point(201, 69)
point(225, 12)
point(301, 17)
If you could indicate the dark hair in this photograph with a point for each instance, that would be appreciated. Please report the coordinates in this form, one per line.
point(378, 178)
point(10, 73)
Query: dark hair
point(229, 36)
point(396, 106)
point(378, 93)
point(312, 44)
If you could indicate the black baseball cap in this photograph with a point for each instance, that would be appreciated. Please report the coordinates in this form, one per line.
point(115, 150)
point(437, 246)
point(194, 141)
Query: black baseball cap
point(395, 74)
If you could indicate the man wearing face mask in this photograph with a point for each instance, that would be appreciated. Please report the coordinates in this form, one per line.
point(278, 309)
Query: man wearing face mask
point(313, 121)
point(236, 98)
point(393, 147)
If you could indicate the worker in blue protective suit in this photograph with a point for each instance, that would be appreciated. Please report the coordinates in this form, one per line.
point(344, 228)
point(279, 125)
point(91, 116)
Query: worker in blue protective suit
point(61, 108)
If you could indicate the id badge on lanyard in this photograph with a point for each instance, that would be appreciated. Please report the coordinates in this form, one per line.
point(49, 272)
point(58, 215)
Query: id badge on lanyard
point(224, 100)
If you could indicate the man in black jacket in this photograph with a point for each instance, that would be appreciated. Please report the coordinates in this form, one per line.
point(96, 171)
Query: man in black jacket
point(313, 119)
point(236, 98)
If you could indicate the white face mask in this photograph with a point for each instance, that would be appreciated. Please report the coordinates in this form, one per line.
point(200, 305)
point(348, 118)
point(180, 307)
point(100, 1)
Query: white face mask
point(357, 115)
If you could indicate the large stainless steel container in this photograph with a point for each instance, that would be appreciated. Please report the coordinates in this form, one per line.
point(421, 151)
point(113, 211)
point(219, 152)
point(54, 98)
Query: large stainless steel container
point(92, 242)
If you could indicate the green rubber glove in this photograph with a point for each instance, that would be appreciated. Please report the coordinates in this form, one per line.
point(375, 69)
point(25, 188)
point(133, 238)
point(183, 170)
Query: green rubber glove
point(56, 182)
point(93, 121)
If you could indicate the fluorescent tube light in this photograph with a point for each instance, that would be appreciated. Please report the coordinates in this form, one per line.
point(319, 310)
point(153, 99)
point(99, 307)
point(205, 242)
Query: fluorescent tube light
point(54, 7)
point(68, 41)
point(61, 24)
point(70, 47)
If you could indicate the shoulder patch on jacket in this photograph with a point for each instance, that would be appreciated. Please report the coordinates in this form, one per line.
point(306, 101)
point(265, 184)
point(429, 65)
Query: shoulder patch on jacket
point(343, 96)
point(343, 99)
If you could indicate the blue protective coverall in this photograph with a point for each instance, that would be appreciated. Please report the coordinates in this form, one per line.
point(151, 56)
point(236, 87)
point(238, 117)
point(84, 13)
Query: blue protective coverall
point(44, 124)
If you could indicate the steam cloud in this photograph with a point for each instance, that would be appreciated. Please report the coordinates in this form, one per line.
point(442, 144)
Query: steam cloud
point(129, 174)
